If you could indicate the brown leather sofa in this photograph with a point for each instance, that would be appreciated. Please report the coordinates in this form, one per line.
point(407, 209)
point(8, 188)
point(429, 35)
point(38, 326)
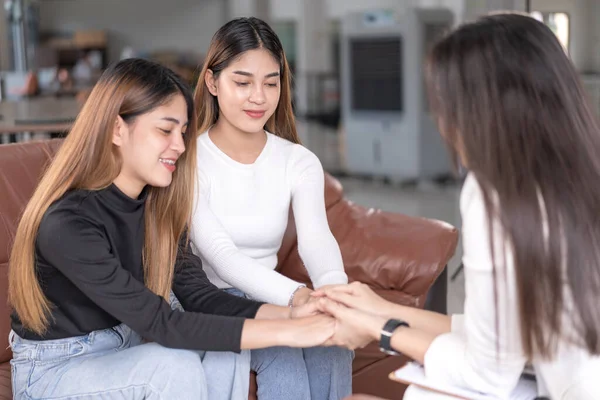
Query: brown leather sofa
point(399, 256)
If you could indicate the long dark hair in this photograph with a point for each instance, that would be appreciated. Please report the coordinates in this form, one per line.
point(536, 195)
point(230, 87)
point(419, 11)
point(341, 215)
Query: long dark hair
point(510, 103)
point(88, 160)
point(229, 42)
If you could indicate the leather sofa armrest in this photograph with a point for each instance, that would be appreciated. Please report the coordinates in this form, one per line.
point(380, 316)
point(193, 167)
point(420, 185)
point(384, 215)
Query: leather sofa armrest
point(392, 251)
point(388, 251)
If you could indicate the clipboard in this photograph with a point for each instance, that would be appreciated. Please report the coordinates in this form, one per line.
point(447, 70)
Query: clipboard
point(414, 374)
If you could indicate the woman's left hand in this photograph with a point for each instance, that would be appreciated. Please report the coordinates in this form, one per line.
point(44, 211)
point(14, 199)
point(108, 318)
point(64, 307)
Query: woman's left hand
point(353, 328)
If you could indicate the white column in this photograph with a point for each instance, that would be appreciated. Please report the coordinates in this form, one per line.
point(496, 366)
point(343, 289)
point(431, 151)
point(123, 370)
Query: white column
point(581, 33)
point(594, 35)
point(313, 49)
point(5, 53)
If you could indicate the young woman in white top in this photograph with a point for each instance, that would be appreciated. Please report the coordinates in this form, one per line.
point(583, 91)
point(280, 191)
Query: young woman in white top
point(252, 167)
point(512, 109)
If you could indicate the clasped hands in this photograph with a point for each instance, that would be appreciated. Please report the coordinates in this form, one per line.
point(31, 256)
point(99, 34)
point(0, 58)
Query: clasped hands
point(348, 316)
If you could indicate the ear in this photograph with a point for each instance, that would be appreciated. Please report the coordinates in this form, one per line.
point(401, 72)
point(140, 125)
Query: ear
point(119, 131)
point(211, 82)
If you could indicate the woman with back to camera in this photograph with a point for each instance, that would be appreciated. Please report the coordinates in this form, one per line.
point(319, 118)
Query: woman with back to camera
point(102, 243)
point(511, 106)
point(251, 168)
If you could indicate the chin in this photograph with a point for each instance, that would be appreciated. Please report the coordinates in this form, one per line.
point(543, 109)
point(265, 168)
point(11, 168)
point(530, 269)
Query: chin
point(253, 127)
point(164, 182)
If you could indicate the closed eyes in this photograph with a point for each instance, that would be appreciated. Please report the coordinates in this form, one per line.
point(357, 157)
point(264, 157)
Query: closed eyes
point(242, 84)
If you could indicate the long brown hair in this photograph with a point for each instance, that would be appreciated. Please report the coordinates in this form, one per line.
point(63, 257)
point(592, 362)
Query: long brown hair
point(511, 105)
point(229, 42)
point(88, 160)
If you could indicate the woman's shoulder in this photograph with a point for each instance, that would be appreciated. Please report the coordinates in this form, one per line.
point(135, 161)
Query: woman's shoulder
point(282, 143)
point(73, 205)
point(202, 141)
point(294, 153)
point(66, 219)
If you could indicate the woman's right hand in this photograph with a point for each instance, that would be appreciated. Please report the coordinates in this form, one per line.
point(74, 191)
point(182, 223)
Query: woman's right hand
point(307, 332)
point(357, 296)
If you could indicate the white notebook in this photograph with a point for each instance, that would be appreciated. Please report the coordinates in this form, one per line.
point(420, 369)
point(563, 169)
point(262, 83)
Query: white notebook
point(413, 373)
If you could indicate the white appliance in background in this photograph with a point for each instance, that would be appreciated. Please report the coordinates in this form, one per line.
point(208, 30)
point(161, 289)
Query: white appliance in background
point(388, 131)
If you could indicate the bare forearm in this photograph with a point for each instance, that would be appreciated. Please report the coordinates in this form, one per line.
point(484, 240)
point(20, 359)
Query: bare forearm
point(422, 320)
point(413, 343)
point(305, 332)
point(258, 334)
point(270, 311)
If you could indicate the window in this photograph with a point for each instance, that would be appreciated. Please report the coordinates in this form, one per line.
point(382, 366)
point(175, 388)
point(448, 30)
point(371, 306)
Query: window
point(558, 22)
point(376, 74)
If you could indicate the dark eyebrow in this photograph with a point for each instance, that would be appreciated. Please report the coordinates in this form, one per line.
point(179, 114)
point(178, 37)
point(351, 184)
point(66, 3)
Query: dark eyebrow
point(244, 73)
point(170, 119)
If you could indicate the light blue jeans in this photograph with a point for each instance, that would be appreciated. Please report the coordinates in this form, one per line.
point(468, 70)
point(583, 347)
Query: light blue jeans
point(319, 373)
point(116, 364)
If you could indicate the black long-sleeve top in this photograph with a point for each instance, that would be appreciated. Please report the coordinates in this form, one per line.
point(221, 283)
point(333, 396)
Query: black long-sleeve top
point(89, 264)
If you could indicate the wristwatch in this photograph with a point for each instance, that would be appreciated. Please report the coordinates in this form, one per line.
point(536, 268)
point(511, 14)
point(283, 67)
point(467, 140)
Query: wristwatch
point(387, 331)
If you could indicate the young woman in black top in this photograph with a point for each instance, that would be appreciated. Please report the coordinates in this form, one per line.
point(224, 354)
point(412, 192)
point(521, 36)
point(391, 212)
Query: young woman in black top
point(101, 246)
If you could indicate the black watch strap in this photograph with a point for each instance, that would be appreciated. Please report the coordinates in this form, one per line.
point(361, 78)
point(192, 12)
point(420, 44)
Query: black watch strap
point(387, 331)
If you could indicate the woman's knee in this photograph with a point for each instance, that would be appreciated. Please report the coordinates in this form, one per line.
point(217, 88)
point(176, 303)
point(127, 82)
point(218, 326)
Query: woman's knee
point(175, 368)
point(278, 357)
point(330, 355)
point(173, 359)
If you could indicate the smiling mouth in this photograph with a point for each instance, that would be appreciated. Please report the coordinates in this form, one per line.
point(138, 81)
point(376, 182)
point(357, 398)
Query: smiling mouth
point(255, 114)
point(168, 163)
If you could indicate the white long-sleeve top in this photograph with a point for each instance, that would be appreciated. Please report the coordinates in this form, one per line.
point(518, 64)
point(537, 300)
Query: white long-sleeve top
point(241, 214)
point(467, 356)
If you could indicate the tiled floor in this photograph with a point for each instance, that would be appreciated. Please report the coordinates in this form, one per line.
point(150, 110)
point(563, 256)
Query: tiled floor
point(426, 199)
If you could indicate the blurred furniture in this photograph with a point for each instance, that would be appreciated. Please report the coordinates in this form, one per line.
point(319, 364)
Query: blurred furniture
point(69, 49)
point(399, 256)
point(15, 85)
point(37, 116)
point(184, 63)
point(323, 94)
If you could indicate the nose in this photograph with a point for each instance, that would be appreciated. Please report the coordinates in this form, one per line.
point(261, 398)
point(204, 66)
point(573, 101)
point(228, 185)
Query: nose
point(177, 143)
point(258, 95)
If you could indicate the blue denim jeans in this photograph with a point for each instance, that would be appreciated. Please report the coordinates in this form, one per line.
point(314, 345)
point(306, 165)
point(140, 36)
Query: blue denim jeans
point(116, 364)
point(319, 373)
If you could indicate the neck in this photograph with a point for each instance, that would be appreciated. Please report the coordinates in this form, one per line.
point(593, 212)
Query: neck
point(239, 145)
point(125, 185)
